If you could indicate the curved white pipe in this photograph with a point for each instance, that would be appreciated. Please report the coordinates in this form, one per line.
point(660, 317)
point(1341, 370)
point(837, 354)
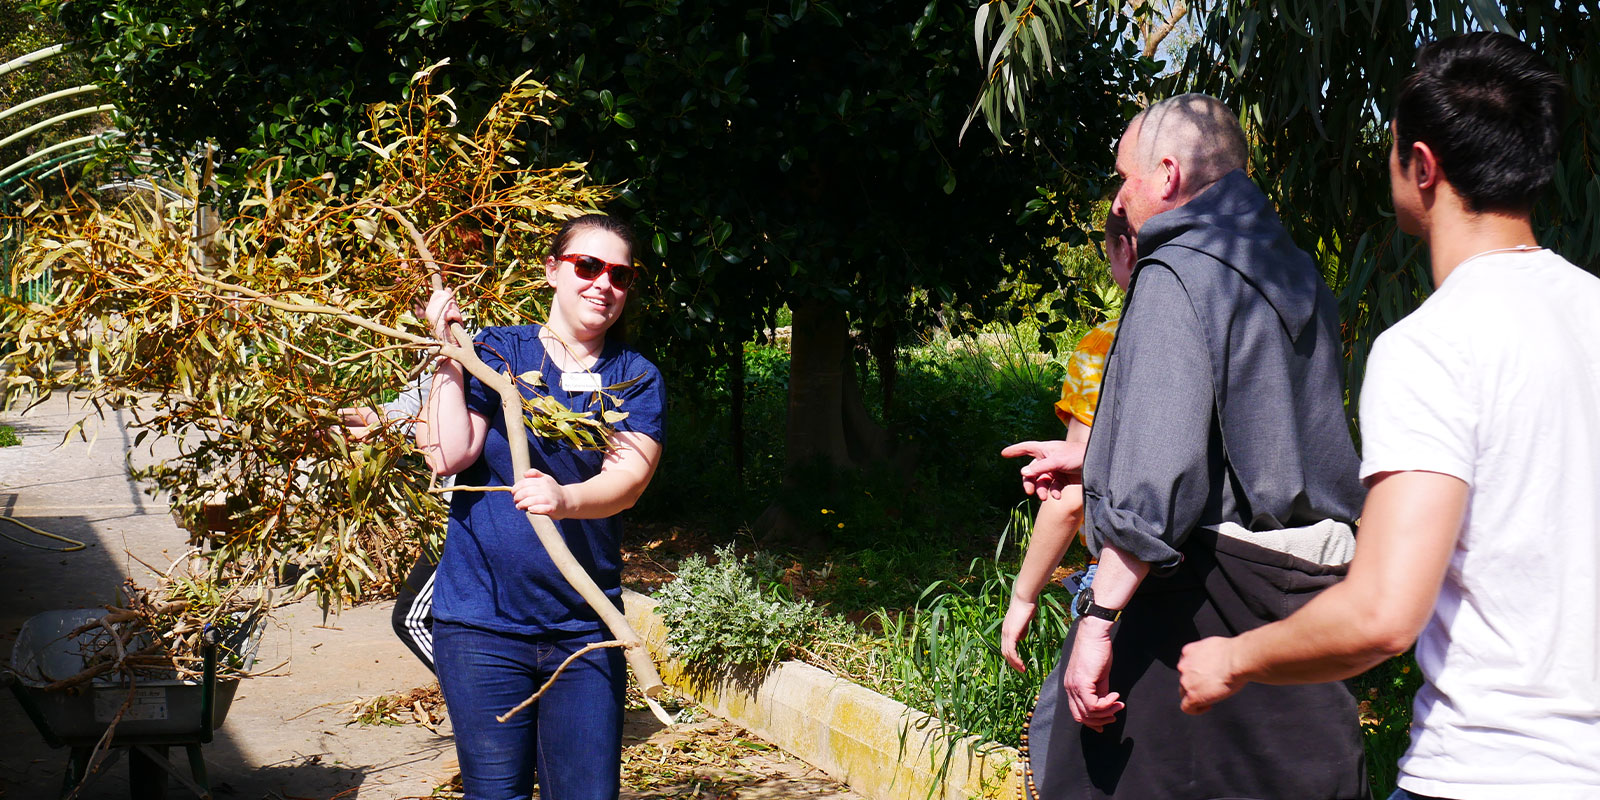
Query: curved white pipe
point(39, 126)
point(45, 98)
point(17, 165)
point(38, 55)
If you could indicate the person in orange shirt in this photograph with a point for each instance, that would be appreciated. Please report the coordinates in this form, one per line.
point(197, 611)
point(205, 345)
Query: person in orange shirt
point(1060, 518)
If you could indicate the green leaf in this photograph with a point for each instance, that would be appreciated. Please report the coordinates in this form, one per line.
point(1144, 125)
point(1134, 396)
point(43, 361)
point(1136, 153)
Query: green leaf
point(979, 22)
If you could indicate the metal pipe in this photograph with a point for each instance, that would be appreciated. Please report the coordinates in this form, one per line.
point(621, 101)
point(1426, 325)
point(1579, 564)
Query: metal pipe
point(60, 162)
point(38, 55)
point(37, 154)
point(39, 126)
point(45, 98)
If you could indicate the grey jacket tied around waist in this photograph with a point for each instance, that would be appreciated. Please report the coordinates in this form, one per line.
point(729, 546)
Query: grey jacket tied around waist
point(1223, 396)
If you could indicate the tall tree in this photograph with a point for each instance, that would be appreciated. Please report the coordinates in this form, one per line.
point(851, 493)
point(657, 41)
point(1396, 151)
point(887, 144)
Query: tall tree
point(807, 156)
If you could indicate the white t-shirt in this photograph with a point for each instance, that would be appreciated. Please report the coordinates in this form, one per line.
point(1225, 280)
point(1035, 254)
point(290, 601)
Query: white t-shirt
point(1496, 380)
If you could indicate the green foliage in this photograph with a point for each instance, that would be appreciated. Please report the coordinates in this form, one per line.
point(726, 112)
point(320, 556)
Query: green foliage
point(946, 653)
point(754, 141)
point(958, 401)
point(264, 80)
point(9, 437)
point(1034, 47)
point(1385, 693)
point(1313, 82)
point(735, 613)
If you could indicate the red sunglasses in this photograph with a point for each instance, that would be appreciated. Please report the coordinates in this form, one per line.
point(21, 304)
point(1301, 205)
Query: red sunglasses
point(590, 268)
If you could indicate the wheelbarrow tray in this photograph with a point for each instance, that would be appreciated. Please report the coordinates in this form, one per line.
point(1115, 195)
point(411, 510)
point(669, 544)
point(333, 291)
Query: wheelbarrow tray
point(159, 711)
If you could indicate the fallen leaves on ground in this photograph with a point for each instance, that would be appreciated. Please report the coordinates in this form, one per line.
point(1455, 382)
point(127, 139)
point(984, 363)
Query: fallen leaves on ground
point(423, 705)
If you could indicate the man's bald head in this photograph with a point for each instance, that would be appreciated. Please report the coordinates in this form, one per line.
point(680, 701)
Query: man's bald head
point(1197, 131)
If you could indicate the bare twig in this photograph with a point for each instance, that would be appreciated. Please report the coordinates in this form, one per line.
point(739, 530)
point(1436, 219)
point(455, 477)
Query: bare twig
point(349, 359)
point(1154, 38)
point(449, 489)
point(534, 698)
point(103, 746)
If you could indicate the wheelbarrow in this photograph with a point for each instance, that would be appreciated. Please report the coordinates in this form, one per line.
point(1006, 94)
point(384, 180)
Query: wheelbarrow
point(159, 713)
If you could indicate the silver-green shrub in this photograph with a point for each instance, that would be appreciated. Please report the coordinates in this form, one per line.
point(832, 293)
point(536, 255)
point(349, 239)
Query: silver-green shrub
point(734, 612)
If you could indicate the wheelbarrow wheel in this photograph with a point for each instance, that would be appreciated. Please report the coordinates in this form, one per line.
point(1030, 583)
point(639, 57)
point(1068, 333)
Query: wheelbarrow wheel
point(147, 779)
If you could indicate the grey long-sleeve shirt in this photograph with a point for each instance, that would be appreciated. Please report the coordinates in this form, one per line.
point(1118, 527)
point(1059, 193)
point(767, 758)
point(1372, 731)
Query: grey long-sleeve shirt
point(1223, 396)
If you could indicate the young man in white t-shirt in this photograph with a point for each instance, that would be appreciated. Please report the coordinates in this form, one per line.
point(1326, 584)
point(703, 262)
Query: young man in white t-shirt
point(1480, 419)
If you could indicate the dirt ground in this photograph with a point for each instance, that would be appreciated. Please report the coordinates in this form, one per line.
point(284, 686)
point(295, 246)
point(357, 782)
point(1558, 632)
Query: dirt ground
point(290, 733)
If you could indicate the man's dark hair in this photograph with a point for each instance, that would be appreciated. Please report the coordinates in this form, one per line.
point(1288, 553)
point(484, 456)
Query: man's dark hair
point(1490, 109)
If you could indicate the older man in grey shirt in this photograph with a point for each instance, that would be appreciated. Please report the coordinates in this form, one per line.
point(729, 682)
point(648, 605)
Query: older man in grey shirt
point(1219, 485)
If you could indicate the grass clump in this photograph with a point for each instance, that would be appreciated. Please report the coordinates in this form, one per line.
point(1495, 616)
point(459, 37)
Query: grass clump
point(9, 437)
point(944, 656)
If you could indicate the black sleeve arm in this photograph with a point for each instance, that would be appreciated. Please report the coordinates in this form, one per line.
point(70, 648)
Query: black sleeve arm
point(1148, 468)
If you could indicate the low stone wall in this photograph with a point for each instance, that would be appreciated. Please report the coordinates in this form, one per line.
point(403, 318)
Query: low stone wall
point(882, 748)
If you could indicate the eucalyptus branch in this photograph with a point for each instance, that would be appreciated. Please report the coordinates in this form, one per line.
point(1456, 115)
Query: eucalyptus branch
point(349, 359)
point(644, 669)
point(240, 389)
point(317, 308)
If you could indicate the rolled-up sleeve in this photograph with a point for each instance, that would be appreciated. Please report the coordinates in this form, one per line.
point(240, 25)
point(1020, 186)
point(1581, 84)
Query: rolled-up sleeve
point(1147, 473)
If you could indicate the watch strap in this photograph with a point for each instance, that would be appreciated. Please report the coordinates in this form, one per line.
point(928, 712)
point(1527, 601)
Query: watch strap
point(1099, 611)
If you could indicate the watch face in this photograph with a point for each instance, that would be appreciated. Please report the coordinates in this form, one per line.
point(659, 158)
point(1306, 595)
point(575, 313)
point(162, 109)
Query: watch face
point(1085, 599)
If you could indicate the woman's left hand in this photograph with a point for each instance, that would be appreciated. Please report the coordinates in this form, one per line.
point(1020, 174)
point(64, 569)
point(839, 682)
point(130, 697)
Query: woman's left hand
point(539, 493)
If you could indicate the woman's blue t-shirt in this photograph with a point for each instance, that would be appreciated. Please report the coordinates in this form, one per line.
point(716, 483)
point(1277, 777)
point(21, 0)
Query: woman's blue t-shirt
point(494, 573)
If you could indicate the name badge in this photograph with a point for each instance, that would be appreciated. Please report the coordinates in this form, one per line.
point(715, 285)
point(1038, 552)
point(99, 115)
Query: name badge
point(575, 382)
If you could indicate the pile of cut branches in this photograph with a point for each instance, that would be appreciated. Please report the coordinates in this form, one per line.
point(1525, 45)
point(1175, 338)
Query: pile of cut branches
point(160, 633)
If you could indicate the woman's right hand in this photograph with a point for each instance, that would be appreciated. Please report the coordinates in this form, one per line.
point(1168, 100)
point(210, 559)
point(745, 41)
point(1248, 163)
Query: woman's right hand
point(1013, 628)
point(441, 312)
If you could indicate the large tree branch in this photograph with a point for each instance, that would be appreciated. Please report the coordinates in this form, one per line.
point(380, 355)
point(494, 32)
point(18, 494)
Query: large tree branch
point(644, 670)
point(1153, 39)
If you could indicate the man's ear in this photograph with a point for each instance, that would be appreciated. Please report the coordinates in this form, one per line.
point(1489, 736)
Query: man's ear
point(1172, 179)
point(1425, 166)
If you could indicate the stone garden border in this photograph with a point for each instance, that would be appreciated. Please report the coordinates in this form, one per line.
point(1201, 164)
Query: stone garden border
point(882, 748)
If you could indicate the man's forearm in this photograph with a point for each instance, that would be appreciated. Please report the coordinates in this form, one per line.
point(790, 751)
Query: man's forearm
point(1411, 523)
point(1118, 577)
point(1328, 640)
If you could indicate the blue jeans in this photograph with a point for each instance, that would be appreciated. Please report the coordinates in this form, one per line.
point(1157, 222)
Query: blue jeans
point(571, 738)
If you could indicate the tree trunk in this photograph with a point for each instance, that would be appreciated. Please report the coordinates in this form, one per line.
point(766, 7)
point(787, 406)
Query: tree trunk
point(829, 434)
point(819, 346)
point(736, 409)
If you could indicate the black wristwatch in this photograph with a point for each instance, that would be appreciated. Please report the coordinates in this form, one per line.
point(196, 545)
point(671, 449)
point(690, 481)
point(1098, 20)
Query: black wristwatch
point(1087, 607)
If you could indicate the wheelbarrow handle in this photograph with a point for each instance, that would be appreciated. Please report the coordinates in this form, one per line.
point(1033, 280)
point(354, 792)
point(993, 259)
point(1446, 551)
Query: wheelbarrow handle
point(208, 684)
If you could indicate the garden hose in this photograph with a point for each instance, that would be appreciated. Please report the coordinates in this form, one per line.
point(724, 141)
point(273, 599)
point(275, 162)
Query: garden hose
point(73, 544)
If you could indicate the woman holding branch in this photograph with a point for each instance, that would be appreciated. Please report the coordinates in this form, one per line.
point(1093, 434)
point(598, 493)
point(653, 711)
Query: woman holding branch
point(505, 619)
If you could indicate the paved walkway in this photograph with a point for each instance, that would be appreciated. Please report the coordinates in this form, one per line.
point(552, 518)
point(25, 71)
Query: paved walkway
point(286, 736)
